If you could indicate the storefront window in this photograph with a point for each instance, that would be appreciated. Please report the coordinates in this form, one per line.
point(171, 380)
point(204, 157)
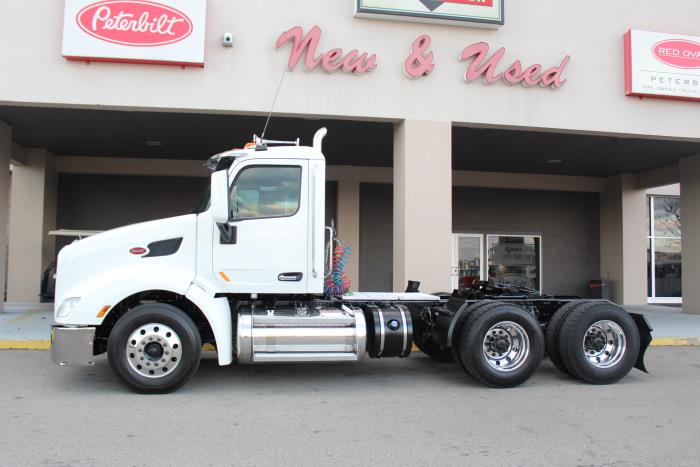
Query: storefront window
point(468, 249)
point(515, 259)
point(664, 249)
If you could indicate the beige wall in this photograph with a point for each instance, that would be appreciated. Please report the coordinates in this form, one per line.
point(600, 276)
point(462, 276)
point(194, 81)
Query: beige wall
point(690, 204)
point(464, 178)
point(5, 145)
point(348, 212)
point(243, 79)
point(667, 190)
point(33, 215)
point(623, 231)
point(423, 205)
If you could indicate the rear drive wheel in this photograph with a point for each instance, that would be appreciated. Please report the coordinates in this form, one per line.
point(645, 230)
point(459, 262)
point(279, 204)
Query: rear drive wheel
point(459, 326)
point(154, 348)
point(599, 342)
point(428, 346)
point(501, 345)
point(552, 334)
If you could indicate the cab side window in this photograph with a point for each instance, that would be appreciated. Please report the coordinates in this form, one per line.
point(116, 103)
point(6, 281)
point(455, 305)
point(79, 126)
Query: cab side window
point(264, 192)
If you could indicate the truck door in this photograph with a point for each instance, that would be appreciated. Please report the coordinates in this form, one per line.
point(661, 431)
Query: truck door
point(269, 249)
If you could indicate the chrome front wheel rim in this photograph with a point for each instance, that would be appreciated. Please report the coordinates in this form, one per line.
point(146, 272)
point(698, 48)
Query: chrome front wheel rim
point(506, 346)
point(604, 344)
point(154, 350)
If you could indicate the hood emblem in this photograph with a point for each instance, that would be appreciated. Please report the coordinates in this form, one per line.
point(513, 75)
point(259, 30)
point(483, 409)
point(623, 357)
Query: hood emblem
point(138, 251)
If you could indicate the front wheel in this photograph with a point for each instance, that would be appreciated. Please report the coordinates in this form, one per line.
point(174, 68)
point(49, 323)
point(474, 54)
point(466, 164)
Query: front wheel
point(154, 348)
point(501, 345)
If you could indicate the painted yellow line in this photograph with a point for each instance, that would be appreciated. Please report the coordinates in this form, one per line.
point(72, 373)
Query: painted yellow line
point(25, 345)
point(675, 341)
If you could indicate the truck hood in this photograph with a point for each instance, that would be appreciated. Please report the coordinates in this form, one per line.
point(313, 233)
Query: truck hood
point(164, 243)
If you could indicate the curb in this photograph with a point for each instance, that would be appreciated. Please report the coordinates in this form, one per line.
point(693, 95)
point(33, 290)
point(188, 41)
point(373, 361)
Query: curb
point(46, 345)
point(675, 341)
point(25, 345)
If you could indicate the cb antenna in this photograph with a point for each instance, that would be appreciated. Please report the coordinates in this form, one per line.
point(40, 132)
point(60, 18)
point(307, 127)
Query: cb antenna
point(274, 101)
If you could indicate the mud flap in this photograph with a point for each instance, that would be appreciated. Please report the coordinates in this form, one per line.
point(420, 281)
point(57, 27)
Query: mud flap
point(644, 339)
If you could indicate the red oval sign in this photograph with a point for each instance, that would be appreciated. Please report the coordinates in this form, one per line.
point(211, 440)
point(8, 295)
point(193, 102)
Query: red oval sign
point(138, 251)
point(678, 53)
point(136, 23)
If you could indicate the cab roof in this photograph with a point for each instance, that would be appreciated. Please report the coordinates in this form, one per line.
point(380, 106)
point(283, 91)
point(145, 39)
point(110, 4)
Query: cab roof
point(226, 158)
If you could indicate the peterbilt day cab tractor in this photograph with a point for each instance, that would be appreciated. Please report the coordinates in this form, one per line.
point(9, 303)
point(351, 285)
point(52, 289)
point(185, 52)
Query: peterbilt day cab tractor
point(245, 272)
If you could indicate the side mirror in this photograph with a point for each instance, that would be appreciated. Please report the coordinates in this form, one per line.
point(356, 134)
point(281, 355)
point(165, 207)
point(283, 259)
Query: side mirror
point(220, 209)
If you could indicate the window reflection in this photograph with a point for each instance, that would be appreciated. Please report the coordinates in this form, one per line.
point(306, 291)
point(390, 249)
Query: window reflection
point(263, 192)
point(667, 217)
point(469, 260)
point(667, 256)
point(664, 250)
point(515, 260)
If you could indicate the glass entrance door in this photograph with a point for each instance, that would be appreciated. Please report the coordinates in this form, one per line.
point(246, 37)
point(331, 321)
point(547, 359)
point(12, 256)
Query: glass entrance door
point(664, 250)
point(467, 254)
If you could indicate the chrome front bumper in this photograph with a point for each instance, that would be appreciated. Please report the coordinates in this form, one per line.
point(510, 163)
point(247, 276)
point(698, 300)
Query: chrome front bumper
point(72, 346)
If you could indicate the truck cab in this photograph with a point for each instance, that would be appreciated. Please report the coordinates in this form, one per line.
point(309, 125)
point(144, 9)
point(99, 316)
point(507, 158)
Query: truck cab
point(246, 272)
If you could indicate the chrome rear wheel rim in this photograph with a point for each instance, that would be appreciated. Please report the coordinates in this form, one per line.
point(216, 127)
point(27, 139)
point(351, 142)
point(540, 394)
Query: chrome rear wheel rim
point(154, 350)
point(506, 346)
point(604, 344)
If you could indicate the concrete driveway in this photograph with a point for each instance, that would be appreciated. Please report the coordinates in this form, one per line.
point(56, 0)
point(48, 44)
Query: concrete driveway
point(381, 412)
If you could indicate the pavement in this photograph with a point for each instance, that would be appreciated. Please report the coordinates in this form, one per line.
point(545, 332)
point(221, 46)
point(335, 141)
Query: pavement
point(379, 412)
point(27, 327)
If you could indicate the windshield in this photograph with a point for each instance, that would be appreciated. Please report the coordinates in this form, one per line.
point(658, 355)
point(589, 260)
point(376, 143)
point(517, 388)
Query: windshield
point(203, 203)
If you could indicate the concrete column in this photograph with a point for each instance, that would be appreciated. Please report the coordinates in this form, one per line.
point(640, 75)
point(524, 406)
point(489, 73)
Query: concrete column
point(349, 227)
point(690, 212)
point(423, 205)
point(5, 147)
point(623, 238)
point(32, 216)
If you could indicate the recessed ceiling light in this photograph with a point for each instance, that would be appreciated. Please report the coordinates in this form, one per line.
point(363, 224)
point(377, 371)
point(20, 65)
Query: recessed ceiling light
point(554, 161)
point(155, 144)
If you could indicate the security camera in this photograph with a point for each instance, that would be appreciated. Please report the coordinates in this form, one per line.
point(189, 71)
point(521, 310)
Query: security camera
point(227, 39)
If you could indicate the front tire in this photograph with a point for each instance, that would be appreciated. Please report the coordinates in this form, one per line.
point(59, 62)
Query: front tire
point(154, 348)
point(501, 345)
point(599, 342)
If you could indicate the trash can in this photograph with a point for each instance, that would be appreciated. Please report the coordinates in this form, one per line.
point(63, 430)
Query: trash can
point(600, 288)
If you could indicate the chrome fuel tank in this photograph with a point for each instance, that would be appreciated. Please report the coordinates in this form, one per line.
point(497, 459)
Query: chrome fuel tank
point(301, 334)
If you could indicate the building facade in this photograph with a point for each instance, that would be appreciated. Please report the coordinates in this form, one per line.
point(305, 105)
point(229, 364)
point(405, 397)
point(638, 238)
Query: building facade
point(522, 142)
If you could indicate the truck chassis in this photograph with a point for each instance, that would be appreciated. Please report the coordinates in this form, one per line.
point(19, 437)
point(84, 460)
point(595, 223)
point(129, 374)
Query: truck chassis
point(497, 334)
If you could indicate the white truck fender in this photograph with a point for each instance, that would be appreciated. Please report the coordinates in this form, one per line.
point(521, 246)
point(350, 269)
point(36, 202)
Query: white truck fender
point(218, 313)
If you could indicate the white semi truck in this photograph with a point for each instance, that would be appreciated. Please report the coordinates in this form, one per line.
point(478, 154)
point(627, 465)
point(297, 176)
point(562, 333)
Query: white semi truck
point(245, 273)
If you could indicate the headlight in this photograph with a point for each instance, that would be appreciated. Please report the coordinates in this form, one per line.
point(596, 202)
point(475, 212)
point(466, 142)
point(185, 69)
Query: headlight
point(68, 305)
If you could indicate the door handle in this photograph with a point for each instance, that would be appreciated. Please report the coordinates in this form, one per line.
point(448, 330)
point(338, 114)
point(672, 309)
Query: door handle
point(290, 277)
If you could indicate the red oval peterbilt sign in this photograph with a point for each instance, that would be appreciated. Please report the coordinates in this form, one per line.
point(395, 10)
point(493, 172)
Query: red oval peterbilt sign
point(136, 23)
point(678, 53)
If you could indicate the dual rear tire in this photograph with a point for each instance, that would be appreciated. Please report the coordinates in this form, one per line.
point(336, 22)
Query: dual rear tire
point(597, 342)
point(499, 344)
